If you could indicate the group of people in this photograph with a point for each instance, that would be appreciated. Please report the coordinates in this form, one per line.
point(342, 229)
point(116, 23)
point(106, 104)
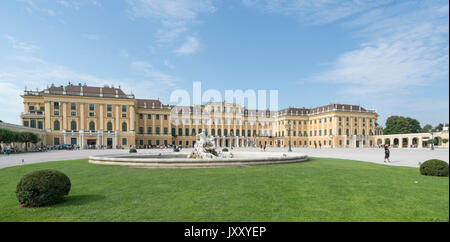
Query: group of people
point(8, 149)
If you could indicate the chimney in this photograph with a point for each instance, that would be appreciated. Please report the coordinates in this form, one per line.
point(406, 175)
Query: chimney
point(101, 92)
point(81, 90)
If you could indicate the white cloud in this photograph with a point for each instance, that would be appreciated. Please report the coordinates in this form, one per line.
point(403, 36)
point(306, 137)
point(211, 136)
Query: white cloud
point(173, 15)
point(91, 36)
point(20, 45)
point(31, 7)
point(190, 46)
point(403, 52)
point(315, 11)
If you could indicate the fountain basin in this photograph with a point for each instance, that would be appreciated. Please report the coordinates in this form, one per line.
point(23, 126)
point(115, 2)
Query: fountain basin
point(170, 160)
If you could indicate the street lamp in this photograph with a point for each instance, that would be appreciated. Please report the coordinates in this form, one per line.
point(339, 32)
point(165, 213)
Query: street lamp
point(288, 127)
point(432, 140)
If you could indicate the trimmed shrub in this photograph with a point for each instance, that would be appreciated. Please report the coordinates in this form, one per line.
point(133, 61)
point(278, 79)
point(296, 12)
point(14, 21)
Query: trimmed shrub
point(176, 150)
point(42, 188)
point(224, 150)
point(133, 150)
point(434, 168)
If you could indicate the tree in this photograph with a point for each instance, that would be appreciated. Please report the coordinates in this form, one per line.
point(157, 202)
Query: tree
point(26, 137)
point(445, 141)
point(401, 125)
point(439, 128)
point(427, 128)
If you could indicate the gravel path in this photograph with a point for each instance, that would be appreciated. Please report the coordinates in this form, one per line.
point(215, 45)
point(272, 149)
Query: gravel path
point(399, 157)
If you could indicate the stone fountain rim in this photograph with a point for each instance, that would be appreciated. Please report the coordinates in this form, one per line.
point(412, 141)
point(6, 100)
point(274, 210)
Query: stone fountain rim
point(260, 158)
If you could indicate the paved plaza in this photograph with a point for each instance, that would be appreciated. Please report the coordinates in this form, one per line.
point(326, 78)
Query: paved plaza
point(399, 157)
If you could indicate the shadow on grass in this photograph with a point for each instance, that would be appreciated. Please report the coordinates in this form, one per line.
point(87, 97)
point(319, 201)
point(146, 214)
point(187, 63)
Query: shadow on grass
point(75, 200)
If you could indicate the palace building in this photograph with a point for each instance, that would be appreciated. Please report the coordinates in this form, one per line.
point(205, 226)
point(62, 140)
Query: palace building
point(106, 116)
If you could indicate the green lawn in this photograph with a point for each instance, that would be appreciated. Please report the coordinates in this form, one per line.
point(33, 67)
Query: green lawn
point(318, 190)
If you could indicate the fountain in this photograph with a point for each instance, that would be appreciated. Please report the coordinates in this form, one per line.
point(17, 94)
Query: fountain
point(204, 148)
point(204, 154)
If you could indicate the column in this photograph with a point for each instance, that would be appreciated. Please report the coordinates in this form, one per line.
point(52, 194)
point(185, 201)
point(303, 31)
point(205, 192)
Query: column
point(117, 119)
point(47, 115)
point(64, 113)
point(101, 117)
point(133, 118)
point(82, 118)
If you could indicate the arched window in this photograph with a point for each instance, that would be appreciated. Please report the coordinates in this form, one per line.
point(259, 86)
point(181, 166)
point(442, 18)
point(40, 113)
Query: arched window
point(213, 132)
point(56, 125)
point(73, 125)
point(124, 126)
point(109, 126)
point(340, 131)
point(219, 132)
point(356, 132)
point(92, 126)
point(364, 132)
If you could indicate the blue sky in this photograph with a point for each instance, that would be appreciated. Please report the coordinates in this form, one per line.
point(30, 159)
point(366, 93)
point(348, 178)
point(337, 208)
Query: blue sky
point(391, 56)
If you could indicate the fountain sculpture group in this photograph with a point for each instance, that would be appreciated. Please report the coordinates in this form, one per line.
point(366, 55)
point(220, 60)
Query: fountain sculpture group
point(204, 154)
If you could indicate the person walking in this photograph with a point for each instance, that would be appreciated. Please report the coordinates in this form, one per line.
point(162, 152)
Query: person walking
point(386, 153)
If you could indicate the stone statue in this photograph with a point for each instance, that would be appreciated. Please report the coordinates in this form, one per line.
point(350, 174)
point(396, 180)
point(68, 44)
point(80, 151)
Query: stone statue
point(204, 148)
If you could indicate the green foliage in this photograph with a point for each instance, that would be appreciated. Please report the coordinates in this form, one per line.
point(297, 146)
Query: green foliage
point(445, 141)
point(42, 188)
point(401, 125)
point(427, 128)
point(434, 168)
point(133, 150)
point(176, 150)
point(9, 136)
point(224, 150)
point(439, 128)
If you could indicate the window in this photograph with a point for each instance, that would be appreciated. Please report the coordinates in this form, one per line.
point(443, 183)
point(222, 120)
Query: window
point(40, 125)
point(124, 126)
point(124, 108)
point(56, 113)
point(347, 132)
point(124, 141)
point(109, 126)
point(141, 130)
point(186, 132)
point(91, 107)
point(141, 116)
point(26, 123)
point(165, 116)
point(149, 116)
point(92, 126)
point(73, 113)
point(109, 108)
point(157, 116)
point(124, 115)
point(56, 105)
point(91, 114)
point(55, 124)
point(73, 141)
point(56, 141)
point(157, 130)
point(73, 125)
point(180, 131)
point(166, 131)
point(356, 132)
point(149, 130)
point(31, 108)
point(73, 106)
point(42, 108)
point(109, 115)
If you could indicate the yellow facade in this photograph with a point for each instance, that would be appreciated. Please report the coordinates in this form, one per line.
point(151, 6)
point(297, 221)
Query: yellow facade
point(105, 116)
